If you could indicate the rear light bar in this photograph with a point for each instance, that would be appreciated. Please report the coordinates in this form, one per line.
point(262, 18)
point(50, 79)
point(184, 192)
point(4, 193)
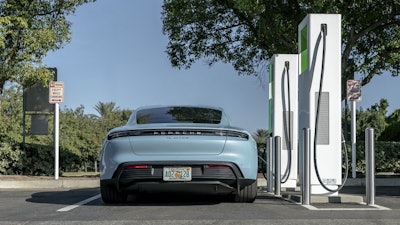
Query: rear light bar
point(197, 132)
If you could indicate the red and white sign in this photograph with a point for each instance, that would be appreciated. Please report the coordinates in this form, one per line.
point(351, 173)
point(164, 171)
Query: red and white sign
point(56, 92)
point(354, 90)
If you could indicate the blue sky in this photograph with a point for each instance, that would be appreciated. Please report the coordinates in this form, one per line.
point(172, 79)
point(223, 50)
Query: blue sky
point(117, 54)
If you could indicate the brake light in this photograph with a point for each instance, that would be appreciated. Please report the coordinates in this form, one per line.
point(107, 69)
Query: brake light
point(137, 167)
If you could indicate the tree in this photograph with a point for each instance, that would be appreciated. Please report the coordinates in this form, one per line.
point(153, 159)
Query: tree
point(28, 30)
point(261, 136)
point(392, 131)
point(11, 115)
point(261, 139)
point(374, 117)
point(105, 108)
point(246, 33)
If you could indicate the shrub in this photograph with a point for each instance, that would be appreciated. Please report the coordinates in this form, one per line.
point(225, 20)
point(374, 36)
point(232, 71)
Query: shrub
point(9, 159)
point(387, 156)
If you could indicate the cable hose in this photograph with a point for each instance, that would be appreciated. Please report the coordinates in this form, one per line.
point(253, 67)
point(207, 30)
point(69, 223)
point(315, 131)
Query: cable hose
point(286, 175)
point(324, 31)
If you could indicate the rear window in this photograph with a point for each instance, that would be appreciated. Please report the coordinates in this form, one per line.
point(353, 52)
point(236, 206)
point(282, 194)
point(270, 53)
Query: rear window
point(178, 115)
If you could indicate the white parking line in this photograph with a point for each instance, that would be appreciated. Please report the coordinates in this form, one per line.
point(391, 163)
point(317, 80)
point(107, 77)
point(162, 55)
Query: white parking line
point(375, 207)
point(76, 205)
point(310, 207)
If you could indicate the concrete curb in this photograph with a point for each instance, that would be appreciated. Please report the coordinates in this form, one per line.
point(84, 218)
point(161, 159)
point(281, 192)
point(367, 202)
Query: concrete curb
point(360, 182)
point(294, 194)
point(341, 198)
point(72, 183)
point(49, 184)
point(354, 182)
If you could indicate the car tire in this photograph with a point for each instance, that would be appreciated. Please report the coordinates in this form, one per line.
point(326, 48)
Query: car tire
point(110, 194)
point(247, 194)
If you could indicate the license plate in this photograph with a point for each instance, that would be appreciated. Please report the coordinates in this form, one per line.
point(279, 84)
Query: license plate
point(177, 174)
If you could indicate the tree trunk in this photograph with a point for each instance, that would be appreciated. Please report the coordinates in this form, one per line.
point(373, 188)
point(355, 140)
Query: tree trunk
point(2, 83)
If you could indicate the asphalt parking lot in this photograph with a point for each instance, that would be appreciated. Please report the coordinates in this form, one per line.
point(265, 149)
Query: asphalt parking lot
point(353, 191)
point(84, 206)
point(71, 203)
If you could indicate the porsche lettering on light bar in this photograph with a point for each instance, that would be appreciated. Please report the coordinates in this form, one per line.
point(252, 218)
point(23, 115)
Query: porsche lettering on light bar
point(228, 133)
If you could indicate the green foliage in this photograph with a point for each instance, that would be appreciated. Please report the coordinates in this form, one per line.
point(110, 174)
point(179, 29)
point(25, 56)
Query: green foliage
point(261, 137)
point(387, 156)
point(37, 160)
point(374, 117)
point(392, 131)
point(81, 136)
point(28, 30)
point(386, 130)
point(246, 33)
point(105, 108)
point(10, 159)
point(11, 115)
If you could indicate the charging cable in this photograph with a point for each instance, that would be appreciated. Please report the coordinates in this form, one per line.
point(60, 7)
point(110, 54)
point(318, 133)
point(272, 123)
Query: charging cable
point(324, 30)
point(288, 130)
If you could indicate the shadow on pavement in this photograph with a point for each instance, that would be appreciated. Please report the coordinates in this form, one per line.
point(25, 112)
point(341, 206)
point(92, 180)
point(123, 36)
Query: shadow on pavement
point(74, 196)
point(379, 191)
point(63, 197)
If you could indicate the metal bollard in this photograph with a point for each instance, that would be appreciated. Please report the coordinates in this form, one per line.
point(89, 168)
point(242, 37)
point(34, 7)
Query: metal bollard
point(370, 166)
point(270, 168)
point(277, 165)
point(305, 183)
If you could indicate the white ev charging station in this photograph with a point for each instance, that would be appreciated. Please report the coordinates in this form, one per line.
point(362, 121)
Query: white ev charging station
point(319, 37)
point(283, 108)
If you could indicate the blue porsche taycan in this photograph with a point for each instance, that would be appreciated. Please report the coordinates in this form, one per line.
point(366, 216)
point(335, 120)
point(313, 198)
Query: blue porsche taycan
point(178, 149)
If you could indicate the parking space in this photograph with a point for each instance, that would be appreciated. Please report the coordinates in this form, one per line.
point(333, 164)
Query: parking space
point(86, 205)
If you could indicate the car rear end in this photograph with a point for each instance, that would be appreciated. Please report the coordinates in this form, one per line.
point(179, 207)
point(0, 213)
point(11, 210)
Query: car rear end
point(180, 158)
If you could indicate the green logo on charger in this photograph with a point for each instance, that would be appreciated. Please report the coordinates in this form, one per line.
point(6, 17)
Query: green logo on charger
point(303, 49)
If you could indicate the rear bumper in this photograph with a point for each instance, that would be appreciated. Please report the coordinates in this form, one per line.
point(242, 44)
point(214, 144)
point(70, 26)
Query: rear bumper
point(192, 187)
point(225, 180)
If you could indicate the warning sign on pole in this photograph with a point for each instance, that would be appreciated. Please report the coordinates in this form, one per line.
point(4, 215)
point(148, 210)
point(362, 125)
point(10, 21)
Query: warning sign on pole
point(56, 92)
point(354, 90)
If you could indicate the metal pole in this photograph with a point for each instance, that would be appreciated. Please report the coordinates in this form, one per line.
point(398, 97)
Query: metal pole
point(370, 166)
point(305, 188)
point(270, 168)
point(56, 140)
point(353, 139)
point(23, 128)
point(277, 165)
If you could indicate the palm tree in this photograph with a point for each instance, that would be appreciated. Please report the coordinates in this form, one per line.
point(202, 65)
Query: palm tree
point(261, 136)
point(106, 108)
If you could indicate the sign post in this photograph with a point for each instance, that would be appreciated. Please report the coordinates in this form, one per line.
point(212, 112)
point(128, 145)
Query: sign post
point(56, 96)
point(353, 95)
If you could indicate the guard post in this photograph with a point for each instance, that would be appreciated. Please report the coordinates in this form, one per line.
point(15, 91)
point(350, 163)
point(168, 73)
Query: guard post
point(277, 165)
point(370, 166)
